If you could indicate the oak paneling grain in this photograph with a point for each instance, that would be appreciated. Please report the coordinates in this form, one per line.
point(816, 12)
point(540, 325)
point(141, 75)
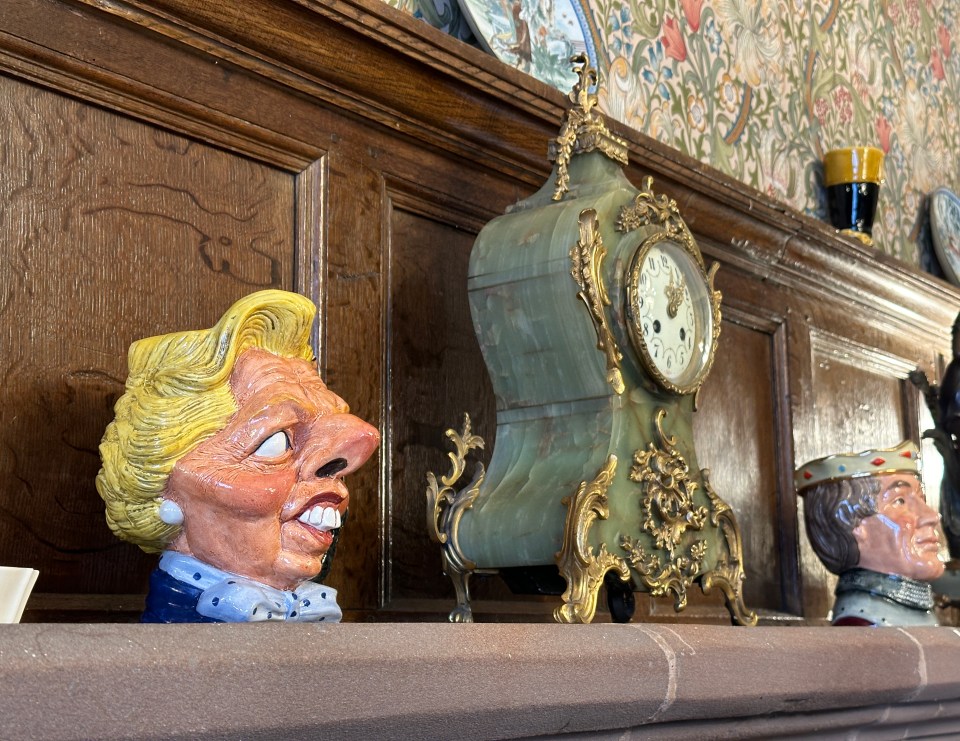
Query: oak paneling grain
point(436, 375)
point(737, 436)
point(110, 230)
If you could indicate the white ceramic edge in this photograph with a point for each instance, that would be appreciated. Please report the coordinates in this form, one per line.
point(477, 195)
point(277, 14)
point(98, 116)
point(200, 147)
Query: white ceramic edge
point(935, 228)
point(481, 39)
point(465, 7)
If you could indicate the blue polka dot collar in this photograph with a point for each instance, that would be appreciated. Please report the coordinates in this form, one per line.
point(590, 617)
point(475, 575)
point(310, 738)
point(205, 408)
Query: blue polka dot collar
point(236, 599)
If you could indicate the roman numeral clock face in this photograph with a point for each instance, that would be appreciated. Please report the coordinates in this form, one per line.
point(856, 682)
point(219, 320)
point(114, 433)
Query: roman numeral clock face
point(670, 316)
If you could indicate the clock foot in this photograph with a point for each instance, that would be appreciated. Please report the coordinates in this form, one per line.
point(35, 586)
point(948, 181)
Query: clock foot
point(445, 507)
point(462, 613)
point(727, 575)
point(583, 570)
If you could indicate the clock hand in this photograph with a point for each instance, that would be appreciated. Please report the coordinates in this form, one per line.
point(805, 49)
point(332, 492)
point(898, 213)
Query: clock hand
point(674, 293)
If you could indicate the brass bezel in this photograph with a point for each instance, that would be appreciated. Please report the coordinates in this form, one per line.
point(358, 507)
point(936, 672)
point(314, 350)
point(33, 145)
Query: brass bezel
point(682, 240)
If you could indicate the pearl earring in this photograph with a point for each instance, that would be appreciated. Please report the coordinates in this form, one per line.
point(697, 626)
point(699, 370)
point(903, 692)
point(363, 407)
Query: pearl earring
point(170, 512)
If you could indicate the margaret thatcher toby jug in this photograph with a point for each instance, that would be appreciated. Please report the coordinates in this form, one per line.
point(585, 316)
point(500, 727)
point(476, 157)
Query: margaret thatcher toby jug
point(227, 455)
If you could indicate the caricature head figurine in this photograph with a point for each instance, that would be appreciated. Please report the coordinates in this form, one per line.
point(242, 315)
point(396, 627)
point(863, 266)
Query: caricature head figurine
point(227, 453)
point(868, 521)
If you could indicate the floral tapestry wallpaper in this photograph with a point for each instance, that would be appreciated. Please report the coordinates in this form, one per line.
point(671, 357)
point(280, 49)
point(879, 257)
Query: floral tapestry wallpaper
point(760, 89)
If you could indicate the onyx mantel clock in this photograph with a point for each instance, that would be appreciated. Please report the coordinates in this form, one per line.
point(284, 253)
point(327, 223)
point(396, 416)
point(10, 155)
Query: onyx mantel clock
point(598, 322)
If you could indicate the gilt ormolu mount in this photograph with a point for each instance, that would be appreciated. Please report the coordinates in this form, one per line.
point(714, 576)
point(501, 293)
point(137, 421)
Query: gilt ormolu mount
point(598, 323)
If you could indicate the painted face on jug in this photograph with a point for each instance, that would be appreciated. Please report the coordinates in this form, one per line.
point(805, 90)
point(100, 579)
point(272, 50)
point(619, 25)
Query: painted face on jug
point(904, 536)
point(262, 497)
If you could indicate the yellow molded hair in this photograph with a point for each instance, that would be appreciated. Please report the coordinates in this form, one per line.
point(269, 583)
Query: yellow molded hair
point(178, 395)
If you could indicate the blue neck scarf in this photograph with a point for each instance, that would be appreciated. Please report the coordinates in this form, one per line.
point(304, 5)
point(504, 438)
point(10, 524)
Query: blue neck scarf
point(238, 599)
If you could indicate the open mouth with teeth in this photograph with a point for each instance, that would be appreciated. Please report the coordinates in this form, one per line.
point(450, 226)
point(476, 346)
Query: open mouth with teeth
point(323, 516)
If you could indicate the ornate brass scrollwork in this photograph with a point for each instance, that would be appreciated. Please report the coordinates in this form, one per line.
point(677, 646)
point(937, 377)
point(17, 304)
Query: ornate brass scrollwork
point(582, 129)
point(673, 576)
point(728, 574)
point(715, 298)
point(583, 570)
point(649, 208)
point(587, 258)
point(675, 290)
point(668, 513)
point(445, 507)
point(661, 213)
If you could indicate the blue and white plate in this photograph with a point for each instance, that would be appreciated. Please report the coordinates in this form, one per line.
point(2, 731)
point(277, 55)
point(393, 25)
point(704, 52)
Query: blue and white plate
point(945, 230)
point(535, 36)
point(443, 14)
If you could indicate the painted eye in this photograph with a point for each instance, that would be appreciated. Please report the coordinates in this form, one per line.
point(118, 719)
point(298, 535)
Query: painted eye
point(274, 446)
point(899, 501)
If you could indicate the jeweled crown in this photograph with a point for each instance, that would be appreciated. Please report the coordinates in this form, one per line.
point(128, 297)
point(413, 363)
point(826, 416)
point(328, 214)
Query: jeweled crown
point(879, 462)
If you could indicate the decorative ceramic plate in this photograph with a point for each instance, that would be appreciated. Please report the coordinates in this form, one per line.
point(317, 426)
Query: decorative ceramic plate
point(443, 14)
point(535, 36)
point(945, 229)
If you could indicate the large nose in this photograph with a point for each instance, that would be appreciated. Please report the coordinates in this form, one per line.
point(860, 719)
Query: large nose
point(339, 444)
point(927, 516)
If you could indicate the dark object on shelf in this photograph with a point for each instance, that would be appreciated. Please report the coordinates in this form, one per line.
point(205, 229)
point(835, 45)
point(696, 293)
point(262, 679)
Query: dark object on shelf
point(534, 580)
point(852, 205)
point(944, 406)
point(620, 598)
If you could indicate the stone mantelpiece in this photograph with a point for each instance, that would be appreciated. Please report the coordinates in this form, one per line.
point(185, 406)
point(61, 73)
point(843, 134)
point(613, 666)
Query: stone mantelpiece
point(437, 681)
point(372, 148)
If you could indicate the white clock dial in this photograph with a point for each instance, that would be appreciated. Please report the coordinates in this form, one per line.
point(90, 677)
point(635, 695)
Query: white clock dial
point(670, 314)
point(667, 318)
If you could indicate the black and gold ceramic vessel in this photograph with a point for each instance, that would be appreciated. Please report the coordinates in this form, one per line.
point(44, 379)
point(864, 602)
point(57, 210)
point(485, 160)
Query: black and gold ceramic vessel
point(852, 177)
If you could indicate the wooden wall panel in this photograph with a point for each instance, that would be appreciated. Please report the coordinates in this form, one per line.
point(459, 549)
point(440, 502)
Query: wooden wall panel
point(736, 431)
point(110, 230)
point(860, 392)
point(352, 294)
point(436, 375)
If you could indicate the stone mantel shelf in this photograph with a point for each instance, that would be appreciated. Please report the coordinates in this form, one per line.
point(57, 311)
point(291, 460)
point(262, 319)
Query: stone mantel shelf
point(481, 681)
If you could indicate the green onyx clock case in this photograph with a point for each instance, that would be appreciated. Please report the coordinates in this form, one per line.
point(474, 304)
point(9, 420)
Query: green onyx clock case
point(598, 321)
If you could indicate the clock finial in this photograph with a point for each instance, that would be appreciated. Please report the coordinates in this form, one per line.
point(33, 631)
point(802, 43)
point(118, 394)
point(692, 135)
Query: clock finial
point(581, 96)
point(583, 129)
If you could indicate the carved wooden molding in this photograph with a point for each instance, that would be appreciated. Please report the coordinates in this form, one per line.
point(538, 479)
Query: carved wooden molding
point(367, 59)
